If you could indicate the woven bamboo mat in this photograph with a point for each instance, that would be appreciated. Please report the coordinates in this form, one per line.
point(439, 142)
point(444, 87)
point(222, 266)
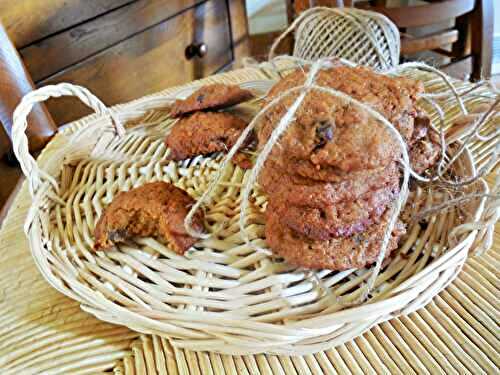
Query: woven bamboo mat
point(45, 332)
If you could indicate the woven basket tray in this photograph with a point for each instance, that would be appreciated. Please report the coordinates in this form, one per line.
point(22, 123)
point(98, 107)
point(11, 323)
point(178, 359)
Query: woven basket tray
point(223, 296)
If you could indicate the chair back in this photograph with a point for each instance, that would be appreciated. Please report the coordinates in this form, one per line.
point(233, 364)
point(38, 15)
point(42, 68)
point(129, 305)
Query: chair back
point(456, 34)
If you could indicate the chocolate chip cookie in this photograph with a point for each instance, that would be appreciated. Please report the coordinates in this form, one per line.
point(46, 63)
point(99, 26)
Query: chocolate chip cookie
point(297, 190)
point(153, 209)
point(203, 133)
point(330, 135)
point(341, 219)
point(356, 251)
point(425, 145)
point(214, 96)
point(393, 97)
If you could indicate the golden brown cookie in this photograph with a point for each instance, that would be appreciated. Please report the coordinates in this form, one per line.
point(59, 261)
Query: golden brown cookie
point(297, 190)
point(213, 96)
point(329, 135)
point(242, 160)
point(203, 133)
point(425, 145)
point(153, 209)
point(341, 219)
point(356, 251)
point(393, 97)
point(424, 154)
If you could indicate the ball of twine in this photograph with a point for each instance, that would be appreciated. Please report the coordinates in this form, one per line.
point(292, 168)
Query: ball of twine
point(361, 36)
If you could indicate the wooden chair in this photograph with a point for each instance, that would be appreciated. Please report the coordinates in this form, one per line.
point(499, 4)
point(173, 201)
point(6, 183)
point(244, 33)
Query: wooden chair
point(15, 82)
point(471, 37)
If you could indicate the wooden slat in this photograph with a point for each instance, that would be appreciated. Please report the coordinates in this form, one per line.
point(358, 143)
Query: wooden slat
point(45, 58)
point(413, 45)
point(260, 44)
point(29, 20)
point(149, 61)
point(239, 21)
point(15, 82)
point(239, 29)
point(459, 69)
point(11, 184)
point(4, 141)
point(423, 15)
point(482, 25)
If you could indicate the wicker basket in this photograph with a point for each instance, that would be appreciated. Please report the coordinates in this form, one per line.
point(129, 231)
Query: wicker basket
point(224, 296)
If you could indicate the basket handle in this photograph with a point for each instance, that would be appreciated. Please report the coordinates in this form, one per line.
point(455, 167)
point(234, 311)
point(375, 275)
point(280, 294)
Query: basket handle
point(28, 164)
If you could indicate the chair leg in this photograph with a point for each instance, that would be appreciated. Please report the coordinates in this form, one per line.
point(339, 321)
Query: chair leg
point(482, 39)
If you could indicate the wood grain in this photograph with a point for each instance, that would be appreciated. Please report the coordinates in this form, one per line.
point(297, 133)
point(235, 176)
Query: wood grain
point(260, 44)
point(15, 82)
point(301, 5)
point(27, 21)
point(238, 18)
point(428, 42)
point(460, 68)
point(239, 30)
point(482, 25)
point(45, 58)
point(422, 15)
point(149, 61)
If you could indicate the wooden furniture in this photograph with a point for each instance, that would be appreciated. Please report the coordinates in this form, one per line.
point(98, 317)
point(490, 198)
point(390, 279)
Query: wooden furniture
point(298, 6)
point(16, 82)
point(119, 49)
point(471, 36)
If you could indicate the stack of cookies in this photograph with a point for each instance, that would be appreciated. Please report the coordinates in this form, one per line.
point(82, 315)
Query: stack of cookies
point(333, 176)
point(202, 128)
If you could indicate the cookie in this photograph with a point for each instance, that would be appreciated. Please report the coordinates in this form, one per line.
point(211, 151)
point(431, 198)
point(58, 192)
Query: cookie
point(297, 190)
point(329, 134)
point(425, 145)
point(214, 96)
point(203, 133)
point(425, 153)
point(242, 160)
point(356, 251)
point(393, 97)
point(153, 209)
point(422, 126)
point(341, 219)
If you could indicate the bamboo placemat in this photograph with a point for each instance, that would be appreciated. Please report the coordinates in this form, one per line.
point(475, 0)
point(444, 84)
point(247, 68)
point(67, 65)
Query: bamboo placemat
point(43, 331)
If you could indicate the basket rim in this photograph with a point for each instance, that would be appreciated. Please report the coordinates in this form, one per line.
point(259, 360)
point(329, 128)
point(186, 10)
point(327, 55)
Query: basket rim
point(85, 295)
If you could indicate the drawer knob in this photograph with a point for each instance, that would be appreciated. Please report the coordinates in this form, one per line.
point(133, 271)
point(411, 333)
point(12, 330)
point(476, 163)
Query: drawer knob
point(196, 50)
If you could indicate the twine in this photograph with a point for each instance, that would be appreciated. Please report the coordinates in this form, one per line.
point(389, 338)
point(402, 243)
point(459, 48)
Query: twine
point(288, 118)
point(281, 127)
point(354, 26)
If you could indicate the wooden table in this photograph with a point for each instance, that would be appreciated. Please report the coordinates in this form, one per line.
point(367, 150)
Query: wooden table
point(45, 332)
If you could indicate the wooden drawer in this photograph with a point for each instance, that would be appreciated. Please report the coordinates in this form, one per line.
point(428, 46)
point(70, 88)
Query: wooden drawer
point(149, 60)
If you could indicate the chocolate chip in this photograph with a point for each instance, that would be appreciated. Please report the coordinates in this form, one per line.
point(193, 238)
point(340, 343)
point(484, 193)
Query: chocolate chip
point(324, 133)
point(118, 235)
point(200, 98)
